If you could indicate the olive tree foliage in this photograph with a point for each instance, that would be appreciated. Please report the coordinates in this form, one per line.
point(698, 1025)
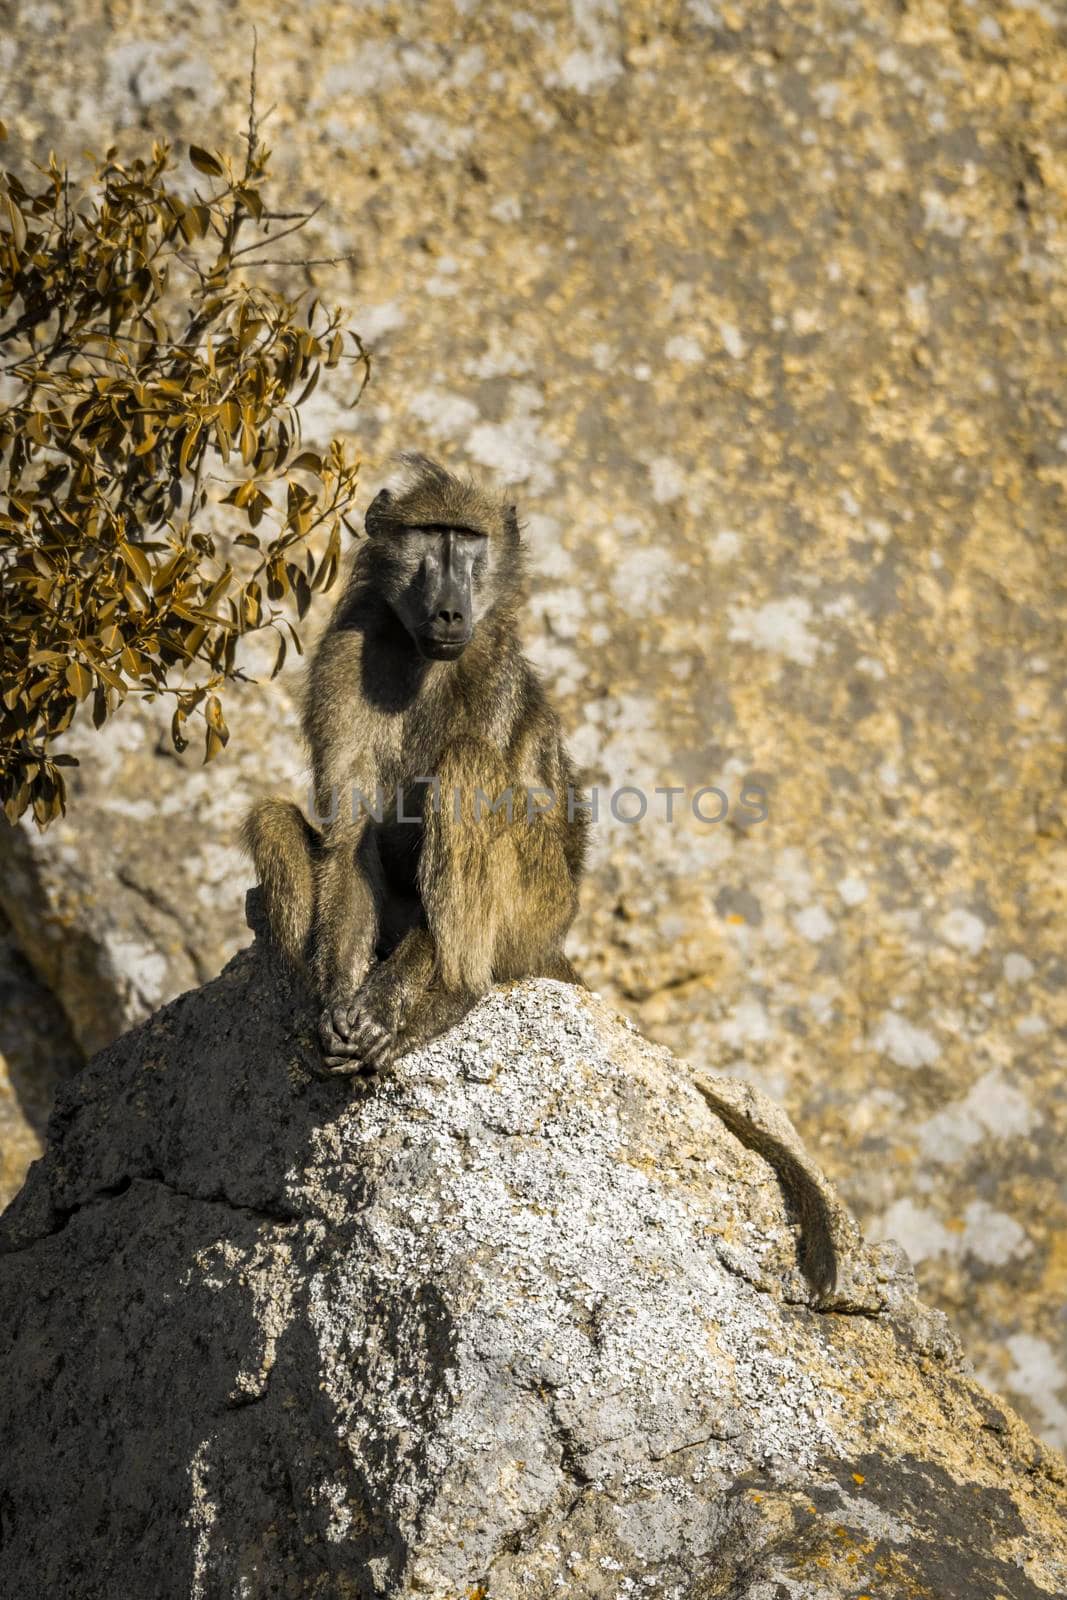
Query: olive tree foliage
point(146, 372)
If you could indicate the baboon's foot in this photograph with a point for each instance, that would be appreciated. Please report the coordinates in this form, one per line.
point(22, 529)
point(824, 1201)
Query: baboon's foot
point(353, 1041)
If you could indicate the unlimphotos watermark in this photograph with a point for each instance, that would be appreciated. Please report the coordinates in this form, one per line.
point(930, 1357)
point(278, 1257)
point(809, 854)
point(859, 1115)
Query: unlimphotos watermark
point(627, 804)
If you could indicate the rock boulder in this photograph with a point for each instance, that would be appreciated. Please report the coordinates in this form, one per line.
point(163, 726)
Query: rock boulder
point(522, 1320)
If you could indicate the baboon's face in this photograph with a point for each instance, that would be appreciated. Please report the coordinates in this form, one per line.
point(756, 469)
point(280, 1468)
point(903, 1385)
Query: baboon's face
point(437, 581)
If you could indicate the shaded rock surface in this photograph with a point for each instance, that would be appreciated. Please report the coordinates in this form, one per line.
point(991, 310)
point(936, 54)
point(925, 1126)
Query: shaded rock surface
point(36, 1055)
point(762, 310)
point(522, 1321)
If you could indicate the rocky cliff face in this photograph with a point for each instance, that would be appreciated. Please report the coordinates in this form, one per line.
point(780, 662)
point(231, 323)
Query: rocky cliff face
point(761, 309)
point(523, 1321)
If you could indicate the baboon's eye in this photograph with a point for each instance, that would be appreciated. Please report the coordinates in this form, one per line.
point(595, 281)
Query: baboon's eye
point(472, 538)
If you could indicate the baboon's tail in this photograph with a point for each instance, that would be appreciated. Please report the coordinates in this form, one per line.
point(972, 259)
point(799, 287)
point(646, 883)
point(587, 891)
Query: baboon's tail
point(281, 843)
point(818, 1253)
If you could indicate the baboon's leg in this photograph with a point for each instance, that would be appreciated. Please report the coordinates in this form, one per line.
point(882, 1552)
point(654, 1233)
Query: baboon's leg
point(348, 894)
point(498, 893)
point(529, 941)
point(282, 845)
point(464, 883)
point(466, 876)
point(526, 946)
point(498, 898)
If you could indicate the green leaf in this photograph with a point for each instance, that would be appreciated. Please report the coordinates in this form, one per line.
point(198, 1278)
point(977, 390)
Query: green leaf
point(218, 735)
point(18, 226)
point(189, 444)
point(213, 713)
point(302, 589)
point(308, 388)
point(80, 679)
point(138, 564)
point(327, 571)
point(111, 678)
point(204, 161)
point(251, 201)
point(217, 590)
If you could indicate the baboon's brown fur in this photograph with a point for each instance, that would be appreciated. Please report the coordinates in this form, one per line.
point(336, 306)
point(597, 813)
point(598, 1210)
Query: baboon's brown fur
point(403, 925)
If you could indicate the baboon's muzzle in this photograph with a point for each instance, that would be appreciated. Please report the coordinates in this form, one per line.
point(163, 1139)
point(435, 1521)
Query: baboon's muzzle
point(442, 648)
point(448, 628)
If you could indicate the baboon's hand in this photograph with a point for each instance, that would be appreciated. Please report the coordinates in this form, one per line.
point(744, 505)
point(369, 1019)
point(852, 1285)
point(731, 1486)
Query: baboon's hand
point(353, 1040)
point(338, 1050)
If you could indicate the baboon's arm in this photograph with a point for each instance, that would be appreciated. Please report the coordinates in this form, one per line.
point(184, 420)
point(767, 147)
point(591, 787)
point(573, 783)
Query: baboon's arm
point(347, 880)
point(276, 835)
point(346, 914)
point(393, 992)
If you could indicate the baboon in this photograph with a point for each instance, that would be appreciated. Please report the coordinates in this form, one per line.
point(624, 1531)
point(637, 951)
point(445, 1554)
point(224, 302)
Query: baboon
point(451, 836)
point(454, 837)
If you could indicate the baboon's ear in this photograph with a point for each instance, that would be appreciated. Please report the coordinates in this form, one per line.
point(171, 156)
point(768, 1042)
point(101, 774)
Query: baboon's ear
point(377, 508)
point(511, 518)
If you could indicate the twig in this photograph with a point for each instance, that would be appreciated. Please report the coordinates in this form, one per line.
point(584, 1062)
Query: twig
point(365, 358)
point(253, 127)
point(300, 261)
point(259, 245)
